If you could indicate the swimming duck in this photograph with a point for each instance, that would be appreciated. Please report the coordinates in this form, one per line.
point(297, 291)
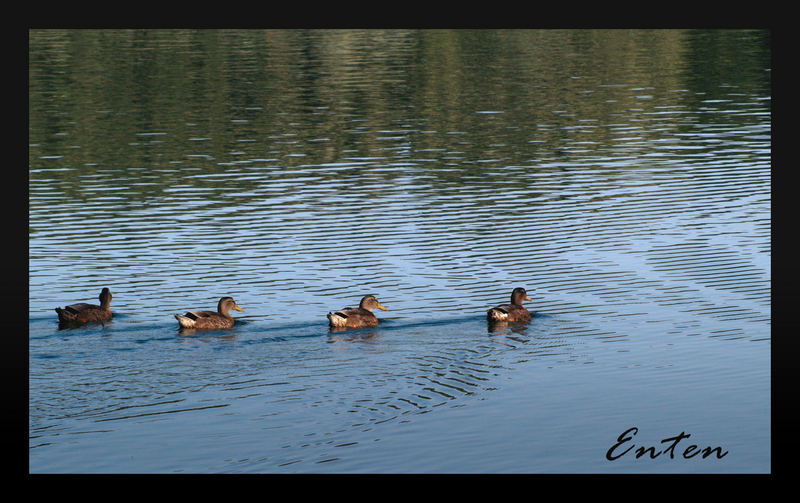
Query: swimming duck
point(513, 311)
point(82, 313)
point(361, 316)
point(210, 319)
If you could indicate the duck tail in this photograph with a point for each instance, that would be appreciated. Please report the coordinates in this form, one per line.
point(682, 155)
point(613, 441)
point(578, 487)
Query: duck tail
point(65, 314)
point(337, 319)
point(184, 321)
point(496, 314)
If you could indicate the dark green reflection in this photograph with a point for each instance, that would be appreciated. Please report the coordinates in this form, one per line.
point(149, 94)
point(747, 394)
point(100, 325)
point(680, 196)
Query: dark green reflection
point(163, 106)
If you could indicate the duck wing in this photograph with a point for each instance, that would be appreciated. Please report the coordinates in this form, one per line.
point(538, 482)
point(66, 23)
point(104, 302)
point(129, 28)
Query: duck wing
point(79, 307)
point(194, 315)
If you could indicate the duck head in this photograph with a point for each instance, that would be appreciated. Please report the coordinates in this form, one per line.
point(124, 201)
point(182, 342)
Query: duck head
point(369, 302)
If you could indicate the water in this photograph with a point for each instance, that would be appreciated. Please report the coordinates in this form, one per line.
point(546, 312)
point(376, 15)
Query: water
point(622, 177)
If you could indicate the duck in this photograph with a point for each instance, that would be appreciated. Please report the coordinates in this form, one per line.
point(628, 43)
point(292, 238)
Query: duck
point(210, 319)
point(511, 312)
point(82, 313)
point(359, 317)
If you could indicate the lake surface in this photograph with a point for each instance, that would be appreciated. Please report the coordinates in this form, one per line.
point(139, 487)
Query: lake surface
point(621, 176)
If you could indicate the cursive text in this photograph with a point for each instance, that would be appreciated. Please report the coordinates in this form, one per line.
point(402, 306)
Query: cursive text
point(623, 446)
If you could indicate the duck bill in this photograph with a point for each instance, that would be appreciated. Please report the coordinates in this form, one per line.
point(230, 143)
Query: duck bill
point(382, 307)
point(238, 308)
point(527, 298)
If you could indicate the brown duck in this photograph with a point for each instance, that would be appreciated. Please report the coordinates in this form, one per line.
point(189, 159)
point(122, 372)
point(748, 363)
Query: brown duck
point(511, 312)
point(82, 313)
point(361, 316)
point(210, 319)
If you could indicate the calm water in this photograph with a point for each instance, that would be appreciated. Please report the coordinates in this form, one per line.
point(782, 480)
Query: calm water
point(622, 177)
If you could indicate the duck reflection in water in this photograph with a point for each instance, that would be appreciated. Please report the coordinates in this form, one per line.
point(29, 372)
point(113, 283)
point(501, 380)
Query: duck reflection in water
point(515, 330)
point(339, 334)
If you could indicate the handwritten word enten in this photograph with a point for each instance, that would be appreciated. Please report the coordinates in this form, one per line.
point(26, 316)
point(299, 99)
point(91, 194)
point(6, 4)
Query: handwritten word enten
point(620, 448)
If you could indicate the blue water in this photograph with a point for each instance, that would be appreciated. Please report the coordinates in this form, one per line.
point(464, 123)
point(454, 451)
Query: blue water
point(622, 177)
